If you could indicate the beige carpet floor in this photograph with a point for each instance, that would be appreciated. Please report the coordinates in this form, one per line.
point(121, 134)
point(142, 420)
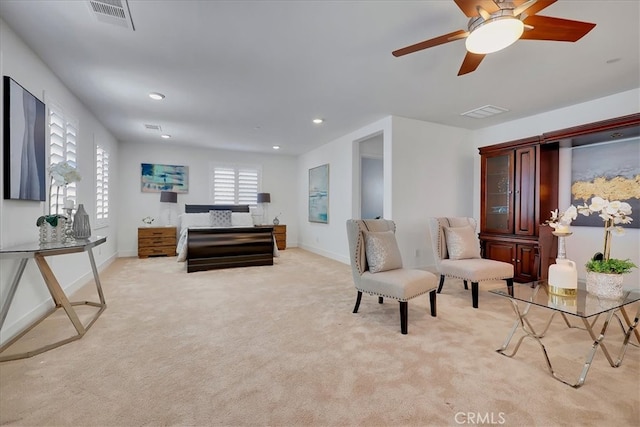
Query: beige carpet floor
point(279, 346)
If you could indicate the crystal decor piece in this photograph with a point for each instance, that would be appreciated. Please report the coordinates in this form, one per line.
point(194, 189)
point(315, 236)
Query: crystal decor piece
point(81, 226)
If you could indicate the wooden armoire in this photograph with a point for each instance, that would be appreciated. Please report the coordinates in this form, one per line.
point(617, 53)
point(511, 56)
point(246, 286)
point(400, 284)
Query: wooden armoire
point(519, 189)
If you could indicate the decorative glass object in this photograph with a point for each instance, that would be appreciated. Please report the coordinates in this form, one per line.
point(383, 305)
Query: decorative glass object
point(51, 234)
point(81, 226)
point(68, 227)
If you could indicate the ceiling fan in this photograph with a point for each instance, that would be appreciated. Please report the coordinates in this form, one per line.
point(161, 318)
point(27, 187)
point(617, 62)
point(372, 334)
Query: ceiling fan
point(496, 24)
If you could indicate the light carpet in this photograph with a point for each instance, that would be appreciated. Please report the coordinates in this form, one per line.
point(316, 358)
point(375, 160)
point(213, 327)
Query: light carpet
point(279, 345)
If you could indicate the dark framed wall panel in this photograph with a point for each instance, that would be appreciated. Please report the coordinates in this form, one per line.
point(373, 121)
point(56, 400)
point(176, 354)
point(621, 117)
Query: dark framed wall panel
point(24, 142)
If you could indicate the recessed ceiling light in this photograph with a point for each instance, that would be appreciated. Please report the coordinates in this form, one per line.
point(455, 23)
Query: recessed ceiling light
point(276, 147)
point(156, 95)
point(318, 121)
point(165, 136)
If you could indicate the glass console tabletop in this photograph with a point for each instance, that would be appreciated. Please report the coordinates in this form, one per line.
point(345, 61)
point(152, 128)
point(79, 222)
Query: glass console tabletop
point(587, 307)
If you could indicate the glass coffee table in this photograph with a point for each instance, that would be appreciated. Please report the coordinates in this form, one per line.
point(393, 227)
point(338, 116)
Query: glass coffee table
point(585, 306)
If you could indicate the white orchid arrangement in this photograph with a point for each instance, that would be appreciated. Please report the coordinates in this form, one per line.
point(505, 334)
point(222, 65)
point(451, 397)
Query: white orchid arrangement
point(62, 174)
point(614, 214)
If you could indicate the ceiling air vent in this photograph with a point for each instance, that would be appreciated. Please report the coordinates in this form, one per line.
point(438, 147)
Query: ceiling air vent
point(153, 127)
point(114, 12)
point(484, 112)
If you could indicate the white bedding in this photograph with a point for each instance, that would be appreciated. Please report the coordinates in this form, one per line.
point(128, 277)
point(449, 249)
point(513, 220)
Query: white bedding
point(181, 249)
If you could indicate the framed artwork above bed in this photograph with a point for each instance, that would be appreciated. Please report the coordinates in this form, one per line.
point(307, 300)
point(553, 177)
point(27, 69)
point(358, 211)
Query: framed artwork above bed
point(155, 178)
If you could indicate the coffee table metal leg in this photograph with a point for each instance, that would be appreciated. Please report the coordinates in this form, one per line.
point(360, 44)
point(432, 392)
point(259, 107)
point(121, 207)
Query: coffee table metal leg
point(632, 329)
point(529, 331)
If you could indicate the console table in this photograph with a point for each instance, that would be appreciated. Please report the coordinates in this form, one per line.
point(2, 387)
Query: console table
point(39, 252)
point(584, 306)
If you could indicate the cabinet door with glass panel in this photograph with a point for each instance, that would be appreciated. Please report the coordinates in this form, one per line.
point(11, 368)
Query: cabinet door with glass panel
point(497, 192)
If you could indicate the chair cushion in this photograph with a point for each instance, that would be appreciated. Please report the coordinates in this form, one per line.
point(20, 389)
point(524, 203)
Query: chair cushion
point(382, 251)
point(476, 270)
point(401, 284)
point(462, 242)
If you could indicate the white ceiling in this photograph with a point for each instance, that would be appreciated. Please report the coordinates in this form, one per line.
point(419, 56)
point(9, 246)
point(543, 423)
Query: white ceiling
point(245, 75)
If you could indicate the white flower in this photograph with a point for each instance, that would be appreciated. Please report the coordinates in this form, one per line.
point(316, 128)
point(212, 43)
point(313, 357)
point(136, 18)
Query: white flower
point(564, 218)
point(598, 204)
point(63, 173)
point(569, 215)
point(612, 213)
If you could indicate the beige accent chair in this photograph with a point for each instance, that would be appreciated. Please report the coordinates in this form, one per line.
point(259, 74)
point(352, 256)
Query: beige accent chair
point(468, 265)
point(395, 282)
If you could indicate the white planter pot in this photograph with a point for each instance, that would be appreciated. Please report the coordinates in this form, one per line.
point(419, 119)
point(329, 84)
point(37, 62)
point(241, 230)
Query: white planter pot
point(605, 285)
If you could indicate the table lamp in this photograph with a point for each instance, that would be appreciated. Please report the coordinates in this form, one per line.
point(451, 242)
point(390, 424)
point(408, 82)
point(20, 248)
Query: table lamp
point(264, 199)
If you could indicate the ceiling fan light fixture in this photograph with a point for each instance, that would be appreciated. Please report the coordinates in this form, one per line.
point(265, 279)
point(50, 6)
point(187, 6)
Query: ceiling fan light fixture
point(494, 35)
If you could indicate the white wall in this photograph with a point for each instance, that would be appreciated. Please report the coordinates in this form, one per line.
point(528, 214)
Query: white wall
point(586, 240)
point(432, 175)
point(278, 178)
point(18, 217)
point(418, 184)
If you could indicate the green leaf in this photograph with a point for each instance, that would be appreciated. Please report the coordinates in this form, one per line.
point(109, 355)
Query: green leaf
point(610, 266)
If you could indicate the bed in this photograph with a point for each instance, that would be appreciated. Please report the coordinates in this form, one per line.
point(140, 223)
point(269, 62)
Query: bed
point(206, 244)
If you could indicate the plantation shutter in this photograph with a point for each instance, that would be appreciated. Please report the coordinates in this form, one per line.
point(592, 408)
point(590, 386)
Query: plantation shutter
point(235, 184)
point(63, 133)
point(102, 185)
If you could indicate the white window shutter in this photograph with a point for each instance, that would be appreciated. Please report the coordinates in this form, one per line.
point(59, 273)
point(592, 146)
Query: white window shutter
point(233, 184)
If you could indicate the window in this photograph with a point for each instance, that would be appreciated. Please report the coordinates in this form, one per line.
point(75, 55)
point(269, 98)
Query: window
point(235, 184)
point(102, 187)
point(62, 147)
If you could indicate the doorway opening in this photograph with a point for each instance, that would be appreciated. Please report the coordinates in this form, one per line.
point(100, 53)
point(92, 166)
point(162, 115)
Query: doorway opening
point(371, 177)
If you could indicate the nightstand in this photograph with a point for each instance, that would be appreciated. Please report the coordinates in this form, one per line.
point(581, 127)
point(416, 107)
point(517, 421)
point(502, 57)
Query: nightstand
point(156, 241)
point(280, 233)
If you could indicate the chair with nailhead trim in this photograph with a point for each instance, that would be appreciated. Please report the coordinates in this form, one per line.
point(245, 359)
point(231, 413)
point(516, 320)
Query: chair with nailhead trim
point(462, 260)
point(387, 278)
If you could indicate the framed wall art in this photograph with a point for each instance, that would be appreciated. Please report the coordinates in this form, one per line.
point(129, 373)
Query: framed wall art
point(319, 194)
point(156, 178)
point(609, 170)
point(24, 144)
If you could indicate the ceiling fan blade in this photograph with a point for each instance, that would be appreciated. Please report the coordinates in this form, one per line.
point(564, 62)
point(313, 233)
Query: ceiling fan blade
point(534, 8)
point(468, 7)
point(556, 29)
point(471, 62)
point(428, 43)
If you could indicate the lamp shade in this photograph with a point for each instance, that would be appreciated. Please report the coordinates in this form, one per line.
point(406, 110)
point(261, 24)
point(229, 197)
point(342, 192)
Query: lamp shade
point(169, 196)
point(264, 197)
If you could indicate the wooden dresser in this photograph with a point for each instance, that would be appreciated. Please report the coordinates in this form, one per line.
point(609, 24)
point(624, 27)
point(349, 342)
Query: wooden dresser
point(156, 241)
point(280, 233)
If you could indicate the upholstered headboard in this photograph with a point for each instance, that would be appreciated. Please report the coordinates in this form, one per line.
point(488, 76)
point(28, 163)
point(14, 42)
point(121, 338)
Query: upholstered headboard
point(207, 208)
